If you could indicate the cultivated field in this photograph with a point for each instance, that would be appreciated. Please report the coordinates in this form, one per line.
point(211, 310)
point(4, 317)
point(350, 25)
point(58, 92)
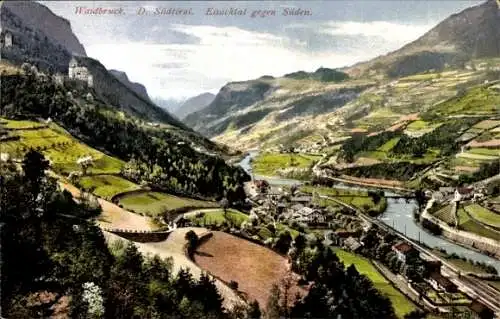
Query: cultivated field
point(483, 215)
point(359, 199)
point(113, 216)
point(106, 186)
point(217, 217)
point(253, 267)
point(401, 304)
point(57, 145)
point(468, 224)
point(445, 214)
point(267, 164)
point(154, 203)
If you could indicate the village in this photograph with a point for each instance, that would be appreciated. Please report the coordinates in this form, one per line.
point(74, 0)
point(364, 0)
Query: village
point(422, 277)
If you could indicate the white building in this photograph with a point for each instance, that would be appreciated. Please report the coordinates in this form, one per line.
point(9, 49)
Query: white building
point(6, 40)
point(81, 73)
point(463, 193)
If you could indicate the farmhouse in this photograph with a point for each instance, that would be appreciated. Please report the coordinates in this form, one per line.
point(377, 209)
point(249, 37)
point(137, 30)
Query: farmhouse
point(463, 193)
point(440, 282)
point(352, 244)
point(403, 250)
point(309, 215)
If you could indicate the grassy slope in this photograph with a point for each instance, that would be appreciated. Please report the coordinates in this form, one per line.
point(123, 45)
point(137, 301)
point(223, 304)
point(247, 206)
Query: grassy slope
point(107, 186)
point(479, 100)
point(217, 217)
point(58, 146)
point(483, 215)
point(400, 303)
point(467, 224)
point(154, 203)
point(268, 163)
point(355, 198)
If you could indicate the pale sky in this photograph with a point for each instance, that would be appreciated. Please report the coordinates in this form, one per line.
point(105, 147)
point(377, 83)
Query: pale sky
point(182, 56)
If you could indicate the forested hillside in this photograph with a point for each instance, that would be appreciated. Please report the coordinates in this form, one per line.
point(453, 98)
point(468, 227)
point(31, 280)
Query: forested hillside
point(155, 155)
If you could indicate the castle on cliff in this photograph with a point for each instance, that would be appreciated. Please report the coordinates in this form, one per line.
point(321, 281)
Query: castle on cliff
point(81, 73)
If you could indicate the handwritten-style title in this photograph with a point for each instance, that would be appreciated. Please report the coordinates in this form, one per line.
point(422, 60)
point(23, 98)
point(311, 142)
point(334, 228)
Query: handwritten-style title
point(222, 11)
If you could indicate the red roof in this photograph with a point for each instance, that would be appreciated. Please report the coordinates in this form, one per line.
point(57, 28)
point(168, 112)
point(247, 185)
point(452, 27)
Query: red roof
point(403, 247)
point(465, 190)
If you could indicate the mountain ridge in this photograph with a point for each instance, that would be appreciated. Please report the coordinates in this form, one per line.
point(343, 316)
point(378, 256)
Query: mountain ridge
point(194, 104)
point(471, 33)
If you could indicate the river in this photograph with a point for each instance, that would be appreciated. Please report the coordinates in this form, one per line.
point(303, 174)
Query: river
point(398, 215)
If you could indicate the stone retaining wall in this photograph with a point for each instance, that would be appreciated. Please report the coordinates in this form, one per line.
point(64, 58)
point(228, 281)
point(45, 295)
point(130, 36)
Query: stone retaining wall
point(139, 235)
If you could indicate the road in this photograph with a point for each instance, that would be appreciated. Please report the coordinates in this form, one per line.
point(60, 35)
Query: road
point(473, 286)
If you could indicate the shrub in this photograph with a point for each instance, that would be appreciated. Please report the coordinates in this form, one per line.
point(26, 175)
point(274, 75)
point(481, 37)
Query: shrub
point(233, 285)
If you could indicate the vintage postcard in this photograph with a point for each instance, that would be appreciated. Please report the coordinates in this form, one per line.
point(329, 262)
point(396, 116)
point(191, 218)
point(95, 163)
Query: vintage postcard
point(250, 159)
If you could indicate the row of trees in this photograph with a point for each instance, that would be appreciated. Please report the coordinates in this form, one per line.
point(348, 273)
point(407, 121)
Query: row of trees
point(55, 260)
point(156, 156)
point(336, 291)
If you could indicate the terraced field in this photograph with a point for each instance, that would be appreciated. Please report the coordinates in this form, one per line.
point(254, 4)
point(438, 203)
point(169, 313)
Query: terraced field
point(154, 203)
point(57, 145)
point(267, 164)
point(478, 157)
point(468, 224)
point(106, 186)
point(487, 124)
point(483, 215)
point(445, 214)
point(485, 151)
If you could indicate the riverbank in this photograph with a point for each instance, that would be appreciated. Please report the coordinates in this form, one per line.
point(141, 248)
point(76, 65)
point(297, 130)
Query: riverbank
point(399, 216)
point(474, 241)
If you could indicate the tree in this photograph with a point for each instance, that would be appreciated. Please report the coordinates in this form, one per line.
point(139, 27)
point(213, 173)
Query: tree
point(224, 203)
point(253, 311)
point(34, 166)
point(273, 308)
point(415, 314)
point(233, 285)
point(283, 243)
point(192, 241)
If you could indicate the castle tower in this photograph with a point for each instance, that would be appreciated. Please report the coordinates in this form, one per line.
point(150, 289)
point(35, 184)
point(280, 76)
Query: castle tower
point(8, 40)
point(73, 64)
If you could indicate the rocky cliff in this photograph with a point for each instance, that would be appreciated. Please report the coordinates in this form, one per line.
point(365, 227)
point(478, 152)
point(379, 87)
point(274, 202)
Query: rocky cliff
point(116, 93)
point(30, 44)
point(37, 16)
point(134, 86)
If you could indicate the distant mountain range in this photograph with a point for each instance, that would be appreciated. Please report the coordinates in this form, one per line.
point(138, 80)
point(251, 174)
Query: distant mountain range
point(194, 104)
point(472, 33)
point(278, 110)
point(182, 108)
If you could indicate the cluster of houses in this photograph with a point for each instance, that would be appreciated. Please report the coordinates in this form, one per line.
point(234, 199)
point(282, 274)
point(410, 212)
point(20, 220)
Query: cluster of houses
point(435, 280)
point(458, 194)
point(296, 206)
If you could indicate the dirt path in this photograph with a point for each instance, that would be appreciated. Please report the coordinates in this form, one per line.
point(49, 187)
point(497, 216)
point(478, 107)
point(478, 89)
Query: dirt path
point(113, 216)
point(173, 247)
